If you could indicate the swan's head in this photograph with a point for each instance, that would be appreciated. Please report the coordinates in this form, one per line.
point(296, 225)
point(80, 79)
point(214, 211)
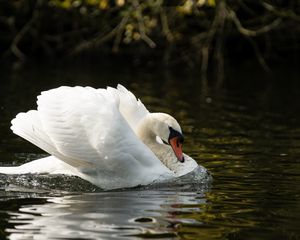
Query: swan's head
point(168, 129)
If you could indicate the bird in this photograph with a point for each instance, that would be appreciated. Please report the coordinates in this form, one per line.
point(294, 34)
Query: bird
point(103, 135)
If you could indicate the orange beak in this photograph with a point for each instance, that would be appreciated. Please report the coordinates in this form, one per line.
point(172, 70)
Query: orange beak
point(177, 148)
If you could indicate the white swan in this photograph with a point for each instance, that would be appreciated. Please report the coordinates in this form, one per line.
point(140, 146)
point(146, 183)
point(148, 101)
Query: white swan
point(105, 136)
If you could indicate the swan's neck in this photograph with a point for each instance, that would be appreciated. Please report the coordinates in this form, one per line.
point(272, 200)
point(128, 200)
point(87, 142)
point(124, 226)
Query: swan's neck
point(147, 132)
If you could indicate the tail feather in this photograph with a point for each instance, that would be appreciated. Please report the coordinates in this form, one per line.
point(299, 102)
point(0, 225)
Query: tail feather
point(50, 165)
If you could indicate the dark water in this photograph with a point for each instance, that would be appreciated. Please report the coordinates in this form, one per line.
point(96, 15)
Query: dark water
point(247, 134)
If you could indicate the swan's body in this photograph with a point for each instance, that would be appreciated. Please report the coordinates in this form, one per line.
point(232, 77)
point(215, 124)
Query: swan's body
point(105, 136)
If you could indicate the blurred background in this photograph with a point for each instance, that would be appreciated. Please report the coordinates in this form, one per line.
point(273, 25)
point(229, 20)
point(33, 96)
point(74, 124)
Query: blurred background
point(211, 38)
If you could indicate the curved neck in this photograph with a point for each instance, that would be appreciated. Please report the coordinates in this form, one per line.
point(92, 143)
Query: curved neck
point(147, 131)
point(153, 125)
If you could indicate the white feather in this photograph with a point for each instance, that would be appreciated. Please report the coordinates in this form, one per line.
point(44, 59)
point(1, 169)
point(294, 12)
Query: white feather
point(86, 129)
point(132, 109)
point(99, 135)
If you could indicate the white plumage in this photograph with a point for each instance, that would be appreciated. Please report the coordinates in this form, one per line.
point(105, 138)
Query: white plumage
point(101, 135)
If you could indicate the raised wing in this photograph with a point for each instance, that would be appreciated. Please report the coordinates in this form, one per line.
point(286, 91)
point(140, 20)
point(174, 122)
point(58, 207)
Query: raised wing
point(132, 109)
point(84, 128)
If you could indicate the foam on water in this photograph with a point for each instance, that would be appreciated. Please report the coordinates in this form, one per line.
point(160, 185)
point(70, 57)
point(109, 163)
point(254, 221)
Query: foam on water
point(200, 178)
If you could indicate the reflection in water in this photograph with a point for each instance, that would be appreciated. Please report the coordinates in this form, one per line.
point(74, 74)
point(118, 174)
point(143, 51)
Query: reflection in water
point(248, 139)
point(107, 215)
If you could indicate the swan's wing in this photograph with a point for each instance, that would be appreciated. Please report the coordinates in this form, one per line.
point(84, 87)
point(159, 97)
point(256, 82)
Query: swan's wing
point(84, 128)
point(28, 126)
point(132, 109)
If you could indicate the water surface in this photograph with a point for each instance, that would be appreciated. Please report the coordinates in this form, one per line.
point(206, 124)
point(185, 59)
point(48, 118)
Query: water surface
point(246, 134)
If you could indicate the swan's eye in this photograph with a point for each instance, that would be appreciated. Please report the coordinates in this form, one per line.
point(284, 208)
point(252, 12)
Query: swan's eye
point(176, 134)
point(180, 141)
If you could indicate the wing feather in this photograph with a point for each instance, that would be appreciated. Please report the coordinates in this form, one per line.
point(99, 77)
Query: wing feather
point(76, 122)
point(132, 109)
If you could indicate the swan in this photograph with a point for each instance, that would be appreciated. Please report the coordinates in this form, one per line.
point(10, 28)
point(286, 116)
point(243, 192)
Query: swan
point(105, 136)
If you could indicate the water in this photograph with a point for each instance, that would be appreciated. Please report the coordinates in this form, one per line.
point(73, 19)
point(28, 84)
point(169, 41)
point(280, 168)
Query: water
point(246, 134)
